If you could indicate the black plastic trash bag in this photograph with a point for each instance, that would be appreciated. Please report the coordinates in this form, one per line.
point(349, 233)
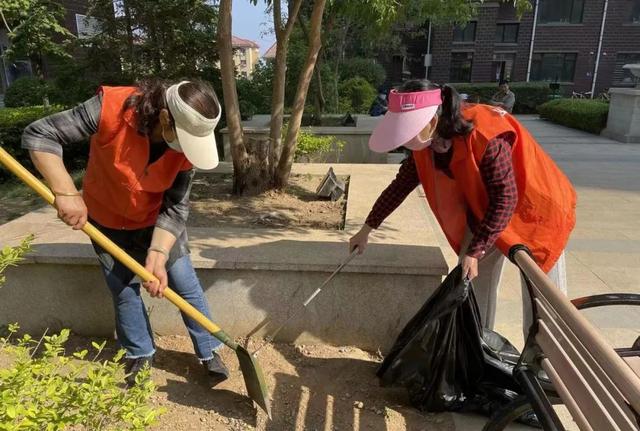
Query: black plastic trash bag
point(448, 362)
point(438, 355)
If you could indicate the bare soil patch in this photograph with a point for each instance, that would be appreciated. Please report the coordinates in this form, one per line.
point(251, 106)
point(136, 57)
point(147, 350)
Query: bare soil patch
point(213, 205)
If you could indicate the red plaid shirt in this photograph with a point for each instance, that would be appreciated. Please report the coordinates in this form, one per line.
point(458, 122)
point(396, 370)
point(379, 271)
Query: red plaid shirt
point(497, 174)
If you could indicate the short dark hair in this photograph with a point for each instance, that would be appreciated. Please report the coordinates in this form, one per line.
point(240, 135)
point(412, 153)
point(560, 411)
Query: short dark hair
point(451, 123)
point(504, 82)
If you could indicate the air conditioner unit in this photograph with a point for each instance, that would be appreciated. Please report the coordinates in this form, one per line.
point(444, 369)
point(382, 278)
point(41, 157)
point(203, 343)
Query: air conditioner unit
point(427, 60)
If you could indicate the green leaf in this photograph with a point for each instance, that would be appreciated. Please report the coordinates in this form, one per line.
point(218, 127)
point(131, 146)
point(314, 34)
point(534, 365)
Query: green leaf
point(11, 412)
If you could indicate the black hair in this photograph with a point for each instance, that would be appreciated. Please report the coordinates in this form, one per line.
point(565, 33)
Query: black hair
point(150, 99)
point(503, 82)
point(451, 123)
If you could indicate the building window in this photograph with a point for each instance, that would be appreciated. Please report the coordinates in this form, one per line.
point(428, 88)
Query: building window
point(466, 33)
point(502, 66)
point(507, 33)
point(556, 67)
point(461, 63)
point(634, 13)
point(561, 11)
point(623, 77)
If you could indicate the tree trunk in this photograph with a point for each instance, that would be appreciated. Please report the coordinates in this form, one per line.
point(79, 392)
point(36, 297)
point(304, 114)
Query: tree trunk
point(321, 102)
point(153, 34)
point(288, 150)
point(277, 103)
point(283, 33)
point(128, 23)
point(37, 63)
point(230, 95)
point(319, 99)
point(257, 177)
point(339, 58)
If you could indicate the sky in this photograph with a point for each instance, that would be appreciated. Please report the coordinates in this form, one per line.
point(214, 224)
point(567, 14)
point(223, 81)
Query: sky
point(250, 22)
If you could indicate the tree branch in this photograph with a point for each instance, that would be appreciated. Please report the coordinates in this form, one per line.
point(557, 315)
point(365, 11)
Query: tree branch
point(277, 18)
point(291, 19)
point(5, 21)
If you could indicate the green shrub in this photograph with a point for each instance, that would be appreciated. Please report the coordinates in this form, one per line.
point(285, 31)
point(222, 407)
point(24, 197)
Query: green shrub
point(247, 109)
point(583, 114)
point(27, 91)
point(42, 389)
point(366, 68)
point(356, 95)
point(529, 95)
point(51, 391)
point(11, 256)
point(310, 145)
point(13, 121)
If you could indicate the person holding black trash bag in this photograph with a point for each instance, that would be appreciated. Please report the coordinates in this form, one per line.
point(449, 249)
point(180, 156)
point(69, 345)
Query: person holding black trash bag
point(488, 182)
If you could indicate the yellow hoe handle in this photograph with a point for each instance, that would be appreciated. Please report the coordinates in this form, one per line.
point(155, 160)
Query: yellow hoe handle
point(21, 172)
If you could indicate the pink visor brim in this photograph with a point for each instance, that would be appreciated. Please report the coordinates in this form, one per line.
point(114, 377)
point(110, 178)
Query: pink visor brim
point(397, 128)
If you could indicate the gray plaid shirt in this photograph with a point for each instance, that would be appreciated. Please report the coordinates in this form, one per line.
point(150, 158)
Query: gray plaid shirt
point(51, 134)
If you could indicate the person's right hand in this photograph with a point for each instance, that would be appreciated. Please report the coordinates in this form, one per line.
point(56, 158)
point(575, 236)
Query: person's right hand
point(72, 210)
point(360, 240)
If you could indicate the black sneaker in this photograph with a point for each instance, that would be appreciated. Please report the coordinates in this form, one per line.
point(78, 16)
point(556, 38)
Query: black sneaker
point(133, 367)
point(216, 370)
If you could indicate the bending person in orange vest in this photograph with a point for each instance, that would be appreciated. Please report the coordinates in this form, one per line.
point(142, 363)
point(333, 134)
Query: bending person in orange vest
point(145, 142)
point(488, 182)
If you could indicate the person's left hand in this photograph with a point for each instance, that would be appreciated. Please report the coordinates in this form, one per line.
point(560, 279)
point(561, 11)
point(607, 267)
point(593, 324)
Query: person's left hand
point(469, 267)
point(156, 264)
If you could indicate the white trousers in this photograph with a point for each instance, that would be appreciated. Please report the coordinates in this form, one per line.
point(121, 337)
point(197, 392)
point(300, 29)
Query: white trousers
point(485, 285)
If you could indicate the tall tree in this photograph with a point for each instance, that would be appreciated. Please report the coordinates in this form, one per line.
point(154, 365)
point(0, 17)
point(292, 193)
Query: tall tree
point(169, 38)
point(35, 30)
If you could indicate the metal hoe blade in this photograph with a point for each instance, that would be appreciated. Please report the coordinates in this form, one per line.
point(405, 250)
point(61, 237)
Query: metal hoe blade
point(254, 379)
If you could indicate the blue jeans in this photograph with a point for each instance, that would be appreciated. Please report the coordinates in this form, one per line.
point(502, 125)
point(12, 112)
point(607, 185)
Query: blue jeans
point(132, 322)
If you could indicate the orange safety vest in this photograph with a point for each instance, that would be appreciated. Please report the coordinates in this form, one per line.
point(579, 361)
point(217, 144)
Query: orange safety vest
point(120, 189)
point(545, 214)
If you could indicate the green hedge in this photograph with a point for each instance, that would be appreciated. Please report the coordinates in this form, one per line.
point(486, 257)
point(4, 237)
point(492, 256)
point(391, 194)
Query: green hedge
point(13, 121)
point(583, 114)
point(27, 91)
point(529, 95)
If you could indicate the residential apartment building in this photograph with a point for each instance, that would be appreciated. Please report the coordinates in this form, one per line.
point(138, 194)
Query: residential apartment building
point(582, 44)
point(246, 55)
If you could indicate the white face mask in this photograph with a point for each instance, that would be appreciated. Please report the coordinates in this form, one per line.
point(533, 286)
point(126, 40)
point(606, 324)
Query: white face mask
point(417, 144)
point(174, 145)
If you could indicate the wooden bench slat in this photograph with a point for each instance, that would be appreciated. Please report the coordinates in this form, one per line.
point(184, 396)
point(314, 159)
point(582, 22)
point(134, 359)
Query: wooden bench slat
point(588, 403)
point(619, 372)
point(604, 390)
point(634, 363)
point(566, 396)
point(588, 357)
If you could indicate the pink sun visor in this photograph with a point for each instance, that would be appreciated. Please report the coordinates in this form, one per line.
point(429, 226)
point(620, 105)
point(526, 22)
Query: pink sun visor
point(408, 114)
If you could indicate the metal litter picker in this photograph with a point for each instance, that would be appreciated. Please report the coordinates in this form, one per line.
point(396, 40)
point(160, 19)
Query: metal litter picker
point(251, 371)
point(315, 293)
